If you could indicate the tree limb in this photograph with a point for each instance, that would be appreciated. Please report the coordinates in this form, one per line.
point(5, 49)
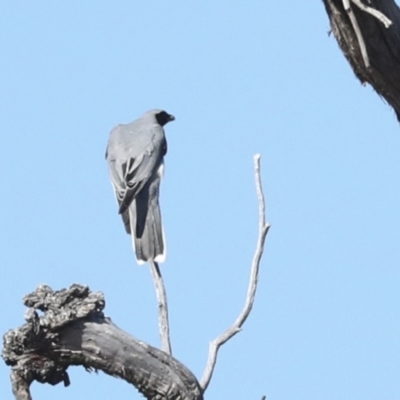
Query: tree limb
point(72, 330)
point(377, 14)
point(369, 37)
point(263, 228)
point(163, 322)
point(360, 39)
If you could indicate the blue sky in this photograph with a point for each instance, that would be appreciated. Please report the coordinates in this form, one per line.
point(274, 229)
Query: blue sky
point(240, 78)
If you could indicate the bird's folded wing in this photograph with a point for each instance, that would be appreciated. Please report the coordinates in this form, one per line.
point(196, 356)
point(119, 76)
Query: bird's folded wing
point(137, 174)
point(129, 177)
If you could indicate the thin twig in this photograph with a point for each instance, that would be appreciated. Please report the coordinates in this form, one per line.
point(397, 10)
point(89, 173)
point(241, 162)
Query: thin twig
point(263, 228)
point(375, 13)
point(369, 10)
point(163, 322)
point(357, 31)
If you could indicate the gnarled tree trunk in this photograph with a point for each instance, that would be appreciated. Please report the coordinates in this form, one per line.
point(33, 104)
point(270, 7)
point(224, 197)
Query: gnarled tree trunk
point(74, 331)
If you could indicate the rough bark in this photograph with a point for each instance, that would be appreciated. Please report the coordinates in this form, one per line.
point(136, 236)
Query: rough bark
point(72, 330)
point(382, 44)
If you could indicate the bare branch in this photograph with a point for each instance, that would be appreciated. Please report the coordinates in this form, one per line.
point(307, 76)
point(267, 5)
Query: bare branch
point(71, 329)
point(163, 322)
point(375, 13)
point(357, 31)
point(263, 228)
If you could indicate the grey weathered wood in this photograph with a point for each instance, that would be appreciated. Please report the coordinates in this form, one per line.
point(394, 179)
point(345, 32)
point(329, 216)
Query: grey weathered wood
point(236, 327)
point(72, 330)
point(382, 45)
point(161, 294)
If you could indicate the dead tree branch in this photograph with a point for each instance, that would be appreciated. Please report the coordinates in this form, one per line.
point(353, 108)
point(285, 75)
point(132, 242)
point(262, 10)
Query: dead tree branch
point(72, 330)
point(369, 37)
point(378, 15)
point(163, 322)
point(263, 228)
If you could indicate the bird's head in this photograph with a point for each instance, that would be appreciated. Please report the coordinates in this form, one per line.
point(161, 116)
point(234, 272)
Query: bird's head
point(162, 117)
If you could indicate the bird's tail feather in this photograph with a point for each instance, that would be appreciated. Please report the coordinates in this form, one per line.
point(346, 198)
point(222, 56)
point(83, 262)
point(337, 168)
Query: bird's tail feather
point(146, 228)
point(126, 220)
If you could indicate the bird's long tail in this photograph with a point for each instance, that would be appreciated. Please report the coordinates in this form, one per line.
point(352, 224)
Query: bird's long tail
point(146, 225)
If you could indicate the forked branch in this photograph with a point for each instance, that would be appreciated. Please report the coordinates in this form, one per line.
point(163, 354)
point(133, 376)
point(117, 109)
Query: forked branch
point(67, 327)
point(263, 228)
point(375, 13)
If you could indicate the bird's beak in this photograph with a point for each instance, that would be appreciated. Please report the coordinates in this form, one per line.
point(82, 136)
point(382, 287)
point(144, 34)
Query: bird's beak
point(171, 118)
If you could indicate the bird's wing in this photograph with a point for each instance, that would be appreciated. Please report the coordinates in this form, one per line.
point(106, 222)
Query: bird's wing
point(133, 157)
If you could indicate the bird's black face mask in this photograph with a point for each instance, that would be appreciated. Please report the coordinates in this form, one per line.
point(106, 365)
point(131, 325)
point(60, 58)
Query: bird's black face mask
point(163, 118)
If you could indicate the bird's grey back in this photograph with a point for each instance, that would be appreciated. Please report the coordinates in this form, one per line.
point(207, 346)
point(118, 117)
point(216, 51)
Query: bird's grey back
point(131, 140)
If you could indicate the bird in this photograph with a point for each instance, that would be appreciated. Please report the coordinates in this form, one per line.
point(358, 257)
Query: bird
point(135, 157)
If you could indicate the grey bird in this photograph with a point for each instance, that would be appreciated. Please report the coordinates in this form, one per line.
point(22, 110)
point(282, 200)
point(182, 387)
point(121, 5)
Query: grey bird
point(135, 156)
